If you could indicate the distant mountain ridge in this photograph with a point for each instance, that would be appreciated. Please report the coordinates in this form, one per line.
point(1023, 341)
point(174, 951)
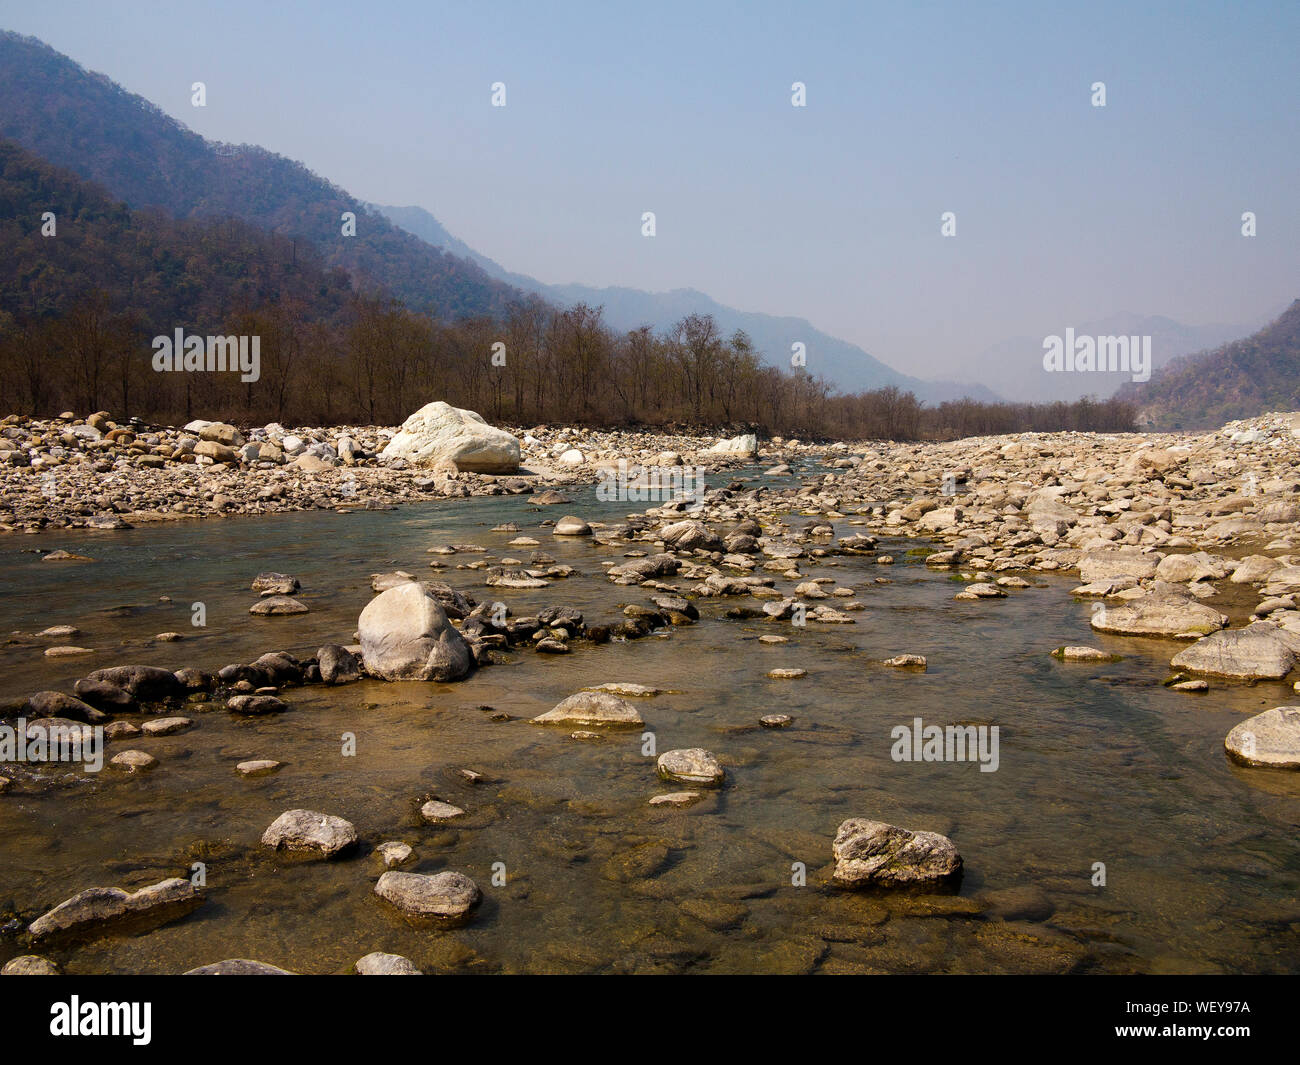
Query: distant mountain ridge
point(846, 365)
point(88, 124)
point(1014, 367)
point(1238, 380)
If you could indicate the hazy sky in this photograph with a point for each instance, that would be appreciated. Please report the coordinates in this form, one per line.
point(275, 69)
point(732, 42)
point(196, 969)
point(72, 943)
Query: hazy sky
point(1065, 212)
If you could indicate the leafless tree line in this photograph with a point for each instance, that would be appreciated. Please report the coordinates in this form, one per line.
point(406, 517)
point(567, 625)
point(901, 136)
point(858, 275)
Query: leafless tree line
point(379, 362)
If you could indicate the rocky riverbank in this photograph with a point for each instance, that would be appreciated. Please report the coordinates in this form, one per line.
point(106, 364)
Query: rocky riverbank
point(73, 472)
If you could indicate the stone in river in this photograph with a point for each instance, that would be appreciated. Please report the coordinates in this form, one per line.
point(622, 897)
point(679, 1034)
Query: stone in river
point(308, 830)
point(380, 964)
point(787, 674)
point(255, 705)
point(1259, 651)
point(907, 662)
point(239, 967)
point(775, 720)
point(406, 635)
point(447, 895)
point(629, 691)
point(99, 907)
point(676, 798)
point(166, 726)
point(57, 704)
point(394, 853)
point(691, 765)
point(29, 965)
point(591, 708)
point(873, 853)
point(277, 606)
point(571, 526)
point(65, 556)
point(68, 651)
point(257, 767)
point(435, 811)
point(275, 583)
point(133, 761)
point(1084, 654)
point(1158, 613)
point(338, 665)
point(1270, 739)
point(143, 682)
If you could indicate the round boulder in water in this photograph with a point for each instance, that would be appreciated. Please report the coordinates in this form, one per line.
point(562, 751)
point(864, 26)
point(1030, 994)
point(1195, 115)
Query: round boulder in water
point(691, 765)
point(1270, 739)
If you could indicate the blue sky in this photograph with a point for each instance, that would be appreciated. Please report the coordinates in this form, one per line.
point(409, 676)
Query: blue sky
point(1065, 213)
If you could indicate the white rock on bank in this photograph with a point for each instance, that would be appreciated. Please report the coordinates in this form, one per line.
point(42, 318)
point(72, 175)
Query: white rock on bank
point(439, 433)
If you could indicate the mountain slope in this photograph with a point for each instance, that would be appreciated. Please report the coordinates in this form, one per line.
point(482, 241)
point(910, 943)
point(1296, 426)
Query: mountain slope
point(1238, 380)
point(85, 122)
point(846, 365)
point(1014, 367)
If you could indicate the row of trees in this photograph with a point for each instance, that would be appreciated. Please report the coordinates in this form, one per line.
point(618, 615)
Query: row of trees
point(379, 361)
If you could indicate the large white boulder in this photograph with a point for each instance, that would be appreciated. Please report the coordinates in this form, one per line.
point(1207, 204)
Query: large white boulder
point(439, 433)
point(405, 635)
point(738, 446)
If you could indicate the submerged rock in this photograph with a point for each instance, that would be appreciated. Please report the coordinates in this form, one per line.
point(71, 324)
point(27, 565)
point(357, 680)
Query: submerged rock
point(1084, 654)
point(591, 708)
point(239, 967)
point(277, 606)
point(873, 853)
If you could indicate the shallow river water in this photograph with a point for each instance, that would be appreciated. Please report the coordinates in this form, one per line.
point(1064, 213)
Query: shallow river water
point(1098, 764)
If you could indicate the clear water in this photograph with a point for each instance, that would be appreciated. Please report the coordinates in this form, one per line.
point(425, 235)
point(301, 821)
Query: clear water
point(1098, 764)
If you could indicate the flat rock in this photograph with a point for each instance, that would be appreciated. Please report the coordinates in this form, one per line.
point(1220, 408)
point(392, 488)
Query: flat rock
point(591, 708)
point(676, 798)
point(257, 767)
point(1259, 651)
point(447, 895)
point(277, 606)
point(907, 662)
point(98, 907)
point(436, 811)
point(1081, 653)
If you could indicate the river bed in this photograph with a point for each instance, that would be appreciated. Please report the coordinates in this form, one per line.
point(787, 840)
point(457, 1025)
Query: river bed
point(1098, 763)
